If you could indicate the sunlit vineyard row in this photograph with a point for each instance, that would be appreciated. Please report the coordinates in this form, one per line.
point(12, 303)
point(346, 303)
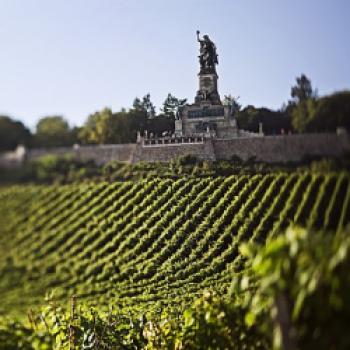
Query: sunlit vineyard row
point(154, 241)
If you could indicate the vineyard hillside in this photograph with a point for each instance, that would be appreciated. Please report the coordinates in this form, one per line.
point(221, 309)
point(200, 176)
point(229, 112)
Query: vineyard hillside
point(159, 241)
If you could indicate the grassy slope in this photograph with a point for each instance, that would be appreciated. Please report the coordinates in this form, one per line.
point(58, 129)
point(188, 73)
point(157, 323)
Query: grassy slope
point(155, 241)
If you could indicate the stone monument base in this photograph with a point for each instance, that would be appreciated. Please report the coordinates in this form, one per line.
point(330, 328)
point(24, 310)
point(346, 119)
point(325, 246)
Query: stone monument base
point(206, 119)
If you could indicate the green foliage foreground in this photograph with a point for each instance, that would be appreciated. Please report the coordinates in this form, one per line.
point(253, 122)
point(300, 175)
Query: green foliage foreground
point(150, 247)
point(66, 169)
point(293, 294)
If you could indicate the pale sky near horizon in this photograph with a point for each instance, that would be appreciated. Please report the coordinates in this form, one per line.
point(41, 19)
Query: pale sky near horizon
point(74, 57)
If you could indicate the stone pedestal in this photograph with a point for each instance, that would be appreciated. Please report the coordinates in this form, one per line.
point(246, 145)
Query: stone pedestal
point(178, 127)
point(208, 88)
point(207, 116)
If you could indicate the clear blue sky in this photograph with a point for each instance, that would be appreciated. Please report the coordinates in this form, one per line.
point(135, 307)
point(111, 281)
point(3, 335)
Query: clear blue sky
point(74, 57)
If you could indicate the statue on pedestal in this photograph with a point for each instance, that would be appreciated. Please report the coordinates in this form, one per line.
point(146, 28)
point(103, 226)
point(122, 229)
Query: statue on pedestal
point(207, 116)
point(208, 57)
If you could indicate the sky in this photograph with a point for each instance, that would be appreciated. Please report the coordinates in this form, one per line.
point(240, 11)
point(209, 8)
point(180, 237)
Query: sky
point(75, 57)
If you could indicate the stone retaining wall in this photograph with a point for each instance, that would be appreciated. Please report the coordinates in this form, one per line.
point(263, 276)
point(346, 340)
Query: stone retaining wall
point(164, 153)
point(283, 148)
point(105, 153)
point(101, 154)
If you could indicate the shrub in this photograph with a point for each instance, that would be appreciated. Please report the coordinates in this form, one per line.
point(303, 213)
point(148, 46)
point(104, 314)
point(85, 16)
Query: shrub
point(52, 168)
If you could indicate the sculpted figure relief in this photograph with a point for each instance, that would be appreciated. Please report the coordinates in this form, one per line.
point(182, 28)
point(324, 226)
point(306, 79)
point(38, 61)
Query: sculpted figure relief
point(208, 57)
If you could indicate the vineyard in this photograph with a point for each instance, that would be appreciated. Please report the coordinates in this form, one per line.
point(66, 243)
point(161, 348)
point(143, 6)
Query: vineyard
point(158, 241)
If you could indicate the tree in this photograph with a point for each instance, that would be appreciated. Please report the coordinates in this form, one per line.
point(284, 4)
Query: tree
point(302, 105)
point(137, 104)
point(273, 122)
point(99, 128)
point(106, 127)
point(302, 115)
point(160, 124)
point(130, 122)
point(12, 133)
point(171, 104)
point(53, 131)
point(145, 105)
point(302, 90)
point(331, 112)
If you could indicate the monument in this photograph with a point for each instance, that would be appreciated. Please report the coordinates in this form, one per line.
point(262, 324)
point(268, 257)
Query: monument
point(207, 116)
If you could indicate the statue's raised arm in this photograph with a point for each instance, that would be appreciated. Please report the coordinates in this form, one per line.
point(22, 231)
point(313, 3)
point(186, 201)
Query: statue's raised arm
point(198, 39)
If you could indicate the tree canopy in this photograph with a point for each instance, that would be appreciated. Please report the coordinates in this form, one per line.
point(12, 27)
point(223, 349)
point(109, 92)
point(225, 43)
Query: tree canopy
point(273, 122)
point(106, 127)
point(331, 112)
point(12, 133)
point(145, 104)
point(301, 107)
point(303, 89)
point(99, 128)
point(53, 131)
point(310, 113)
point(305, 112)
point(171, 104)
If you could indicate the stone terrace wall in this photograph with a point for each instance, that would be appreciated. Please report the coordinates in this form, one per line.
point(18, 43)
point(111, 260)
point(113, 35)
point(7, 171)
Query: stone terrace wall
point(282, 148)
point(268, 148)
point(32, 154)
point(101, 154)
point(164, 153)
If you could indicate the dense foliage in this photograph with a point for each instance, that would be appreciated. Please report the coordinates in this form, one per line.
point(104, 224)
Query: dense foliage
point(67, 169)
point(106, 127)
point(331, 112)
point(53, 131)
point(292, 294)
point(272, 122)
point(153, 241)
point(12, 133)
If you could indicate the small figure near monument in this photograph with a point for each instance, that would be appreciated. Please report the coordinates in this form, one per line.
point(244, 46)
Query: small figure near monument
point(208, 57)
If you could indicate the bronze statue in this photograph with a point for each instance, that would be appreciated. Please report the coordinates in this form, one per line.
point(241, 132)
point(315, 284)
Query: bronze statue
point(208, 57)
